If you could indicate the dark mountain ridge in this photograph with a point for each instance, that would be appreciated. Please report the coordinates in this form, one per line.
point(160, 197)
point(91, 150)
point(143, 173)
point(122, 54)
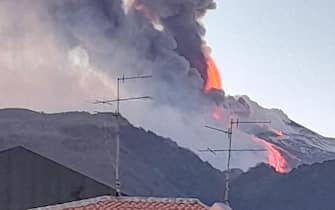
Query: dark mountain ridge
point(307, 187)
point(150, 165)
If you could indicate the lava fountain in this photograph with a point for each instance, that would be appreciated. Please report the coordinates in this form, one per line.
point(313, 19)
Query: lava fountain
point(213, 76)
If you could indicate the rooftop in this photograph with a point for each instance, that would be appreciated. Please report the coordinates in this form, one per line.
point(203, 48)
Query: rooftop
point(133, 203)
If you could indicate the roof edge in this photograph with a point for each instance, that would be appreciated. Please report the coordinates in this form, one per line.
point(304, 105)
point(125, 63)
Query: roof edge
point(122, 198)
point(73, 203)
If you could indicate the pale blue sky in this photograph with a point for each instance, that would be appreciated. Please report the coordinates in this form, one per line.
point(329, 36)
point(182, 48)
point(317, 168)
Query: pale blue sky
point(281, 53)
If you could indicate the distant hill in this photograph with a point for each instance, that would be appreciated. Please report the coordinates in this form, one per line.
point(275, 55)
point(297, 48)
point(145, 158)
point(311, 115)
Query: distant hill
point(150, 165)
point(308, 187)
point(155, 166)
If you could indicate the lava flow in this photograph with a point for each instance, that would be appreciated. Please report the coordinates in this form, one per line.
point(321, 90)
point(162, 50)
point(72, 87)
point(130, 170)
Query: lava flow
point(278, 133)
point(213, 76)
point(275, 158)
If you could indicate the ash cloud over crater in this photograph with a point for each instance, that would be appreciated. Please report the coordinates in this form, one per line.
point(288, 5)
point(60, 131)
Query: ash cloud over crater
point(120, 42)
point(60, 55)
point(116, 41)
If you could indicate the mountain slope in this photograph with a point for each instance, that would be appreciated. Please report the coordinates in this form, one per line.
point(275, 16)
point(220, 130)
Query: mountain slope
point(307, 187)
point(296, 143)
point(150, 165)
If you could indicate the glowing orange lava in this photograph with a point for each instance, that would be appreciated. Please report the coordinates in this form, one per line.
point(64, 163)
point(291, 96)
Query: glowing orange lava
point(213, 76)
point(278, 132)
point(275, 158)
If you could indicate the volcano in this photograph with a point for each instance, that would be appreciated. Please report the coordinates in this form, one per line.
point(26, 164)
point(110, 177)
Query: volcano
point(287, 143)
point(85, 45)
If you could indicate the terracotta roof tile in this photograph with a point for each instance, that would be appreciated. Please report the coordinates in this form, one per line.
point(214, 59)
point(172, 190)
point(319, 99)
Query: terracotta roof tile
point(130, 203)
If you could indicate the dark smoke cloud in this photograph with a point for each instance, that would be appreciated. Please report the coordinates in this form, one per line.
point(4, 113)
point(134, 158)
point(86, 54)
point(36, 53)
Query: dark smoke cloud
point(57, 55)
point(180, 18)
point(174, 56)
point(111, 42)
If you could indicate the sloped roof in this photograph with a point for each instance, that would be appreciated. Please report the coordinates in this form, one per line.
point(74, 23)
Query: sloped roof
point(130, 203)
point(29, 180)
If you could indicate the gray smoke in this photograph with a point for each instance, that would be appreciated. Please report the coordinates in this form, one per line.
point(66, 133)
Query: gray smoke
point(180, 19)
point(130, 41)
point(116, 42)
point(60, 55)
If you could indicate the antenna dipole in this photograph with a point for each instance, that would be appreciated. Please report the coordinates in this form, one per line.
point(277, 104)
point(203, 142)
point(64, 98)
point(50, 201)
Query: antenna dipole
point(229, 132)
point(117, 114)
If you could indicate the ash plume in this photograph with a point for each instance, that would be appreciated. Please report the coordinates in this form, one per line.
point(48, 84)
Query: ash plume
point(57, 55)
point(131, 42)
point(180, 19)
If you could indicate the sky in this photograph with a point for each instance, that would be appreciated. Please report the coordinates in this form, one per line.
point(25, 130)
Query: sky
point(279, 53)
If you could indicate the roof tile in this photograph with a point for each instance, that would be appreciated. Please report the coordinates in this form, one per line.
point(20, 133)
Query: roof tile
point(130, 203)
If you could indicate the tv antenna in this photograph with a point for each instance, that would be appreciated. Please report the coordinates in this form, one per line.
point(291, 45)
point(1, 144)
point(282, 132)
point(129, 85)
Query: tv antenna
point(117, 114)
point(229, 132)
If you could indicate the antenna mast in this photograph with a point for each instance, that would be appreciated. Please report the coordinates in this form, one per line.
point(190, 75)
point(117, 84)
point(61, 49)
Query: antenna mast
point(117, 114)
point(229, 132)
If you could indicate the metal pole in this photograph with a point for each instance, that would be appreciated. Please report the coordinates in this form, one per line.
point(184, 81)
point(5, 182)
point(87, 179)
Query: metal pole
point(227, 175)
point(117, 127)
point(118, 97)
point(229, 132)
point(117, 158)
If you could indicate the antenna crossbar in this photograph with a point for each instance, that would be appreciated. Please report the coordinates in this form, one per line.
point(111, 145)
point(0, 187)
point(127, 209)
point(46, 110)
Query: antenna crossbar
point(233, 150)
point(134, 77)
point(217, 129)
point(117, 114)
point(229, 132)
point(122, 99)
